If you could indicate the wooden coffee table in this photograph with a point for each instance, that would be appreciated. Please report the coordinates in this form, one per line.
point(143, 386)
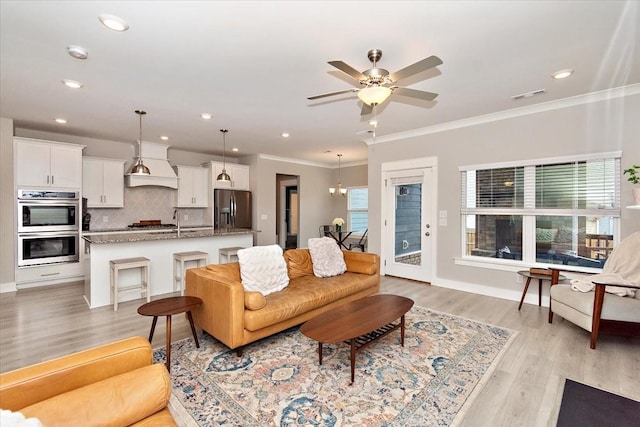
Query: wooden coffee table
point(359, 323)
point(168, 307)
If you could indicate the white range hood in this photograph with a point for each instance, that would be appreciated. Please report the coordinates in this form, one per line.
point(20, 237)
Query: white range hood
point(154, 156)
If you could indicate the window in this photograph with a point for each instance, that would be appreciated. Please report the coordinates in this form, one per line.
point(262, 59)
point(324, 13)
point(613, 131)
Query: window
point(554, 211)
point(357, 206)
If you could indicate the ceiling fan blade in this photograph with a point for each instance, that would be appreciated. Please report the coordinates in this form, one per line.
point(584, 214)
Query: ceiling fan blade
point(348, 69)
point(413, 93)
point(366, 109)
point(425, 64)
point(333, 93)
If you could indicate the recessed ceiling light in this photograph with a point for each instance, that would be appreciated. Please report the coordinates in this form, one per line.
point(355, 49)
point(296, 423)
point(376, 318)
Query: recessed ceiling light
point(285, 134)
point(164, 138)
point(61, 121)
point(562, 74)
point(77, 52)
point(72, 84)
point(235, 149)
point(205, 116)
point(113, 22)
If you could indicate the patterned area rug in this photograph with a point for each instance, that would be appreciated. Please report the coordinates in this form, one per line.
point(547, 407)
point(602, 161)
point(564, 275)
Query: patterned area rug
point(278, 382)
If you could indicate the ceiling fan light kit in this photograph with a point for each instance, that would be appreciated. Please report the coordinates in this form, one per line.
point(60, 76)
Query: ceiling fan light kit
point(378, 84)
point(374, 95)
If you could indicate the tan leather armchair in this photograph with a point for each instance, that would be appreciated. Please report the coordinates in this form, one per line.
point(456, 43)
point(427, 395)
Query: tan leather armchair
point(115, 384)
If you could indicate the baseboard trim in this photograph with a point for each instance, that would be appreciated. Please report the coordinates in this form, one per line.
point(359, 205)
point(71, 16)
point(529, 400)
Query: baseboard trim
point(512, 295)
point(8, 287)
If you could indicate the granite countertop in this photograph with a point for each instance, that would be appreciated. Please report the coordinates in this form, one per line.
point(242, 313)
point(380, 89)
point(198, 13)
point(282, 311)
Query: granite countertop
point(161, 234)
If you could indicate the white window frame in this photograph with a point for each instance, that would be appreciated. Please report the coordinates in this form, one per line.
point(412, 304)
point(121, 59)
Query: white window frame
point(529, 213)
point(349, 208)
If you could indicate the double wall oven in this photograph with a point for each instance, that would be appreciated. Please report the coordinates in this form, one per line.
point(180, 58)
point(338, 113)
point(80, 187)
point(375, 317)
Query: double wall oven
point(48, 227)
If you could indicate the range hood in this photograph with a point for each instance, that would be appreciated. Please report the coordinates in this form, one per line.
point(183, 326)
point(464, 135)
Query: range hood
point(154, 156)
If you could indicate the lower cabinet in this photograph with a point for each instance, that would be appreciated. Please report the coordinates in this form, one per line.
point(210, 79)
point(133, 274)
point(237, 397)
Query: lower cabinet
point(49, 274)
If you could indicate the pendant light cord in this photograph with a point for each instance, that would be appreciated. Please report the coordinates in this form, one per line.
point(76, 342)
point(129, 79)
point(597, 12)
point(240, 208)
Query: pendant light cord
point(224, 147)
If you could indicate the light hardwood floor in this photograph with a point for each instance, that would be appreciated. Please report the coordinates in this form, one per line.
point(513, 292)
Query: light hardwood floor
point(525, 390)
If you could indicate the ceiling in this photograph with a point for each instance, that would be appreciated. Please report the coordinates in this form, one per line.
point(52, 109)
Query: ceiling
point(252, 65)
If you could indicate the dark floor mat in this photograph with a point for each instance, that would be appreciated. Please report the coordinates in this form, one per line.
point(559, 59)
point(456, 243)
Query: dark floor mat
point(586, 406)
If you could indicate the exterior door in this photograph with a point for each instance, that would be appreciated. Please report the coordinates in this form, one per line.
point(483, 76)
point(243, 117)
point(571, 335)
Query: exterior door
point(408, 225)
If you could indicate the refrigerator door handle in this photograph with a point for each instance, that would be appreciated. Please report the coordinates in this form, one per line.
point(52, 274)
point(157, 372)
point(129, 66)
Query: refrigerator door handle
point(233, 211)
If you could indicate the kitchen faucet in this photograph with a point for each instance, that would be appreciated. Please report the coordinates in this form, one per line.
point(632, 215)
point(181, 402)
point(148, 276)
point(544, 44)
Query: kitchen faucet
point(176, 217)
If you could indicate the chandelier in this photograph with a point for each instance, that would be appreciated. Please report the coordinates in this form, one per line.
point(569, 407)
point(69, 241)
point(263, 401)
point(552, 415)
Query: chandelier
point(338, 190)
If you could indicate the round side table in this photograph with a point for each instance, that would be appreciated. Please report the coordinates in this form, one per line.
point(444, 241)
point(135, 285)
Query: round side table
point(168, 307)
point(540, 277)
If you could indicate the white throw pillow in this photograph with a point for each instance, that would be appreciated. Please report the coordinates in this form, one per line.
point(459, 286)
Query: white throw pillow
point(326, 256)
point(16, 419)
point(263, 269)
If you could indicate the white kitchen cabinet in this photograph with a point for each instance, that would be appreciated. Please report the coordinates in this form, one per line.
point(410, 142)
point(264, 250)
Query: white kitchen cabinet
point(47, 164)
point(239, 176)
point(103, 182)
point(193, 188)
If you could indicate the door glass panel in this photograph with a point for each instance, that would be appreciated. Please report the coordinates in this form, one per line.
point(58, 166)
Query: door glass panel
point(407, 220)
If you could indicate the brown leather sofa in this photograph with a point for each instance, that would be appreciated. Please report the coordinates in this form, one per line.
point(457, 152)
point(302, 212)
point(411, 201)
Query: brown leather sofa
point(112, 385)
point(236, 317)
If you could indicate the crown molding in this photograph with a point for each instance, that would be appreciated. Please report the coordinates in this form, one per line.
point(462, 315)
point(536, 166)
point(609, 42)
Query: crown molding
point(308, 163)
point(588, 98)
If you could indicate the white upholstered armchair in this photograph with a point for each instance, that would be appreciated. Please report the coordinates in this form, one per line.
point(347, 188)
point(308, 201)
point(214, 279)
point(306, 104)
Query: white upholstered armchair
point(585, 303)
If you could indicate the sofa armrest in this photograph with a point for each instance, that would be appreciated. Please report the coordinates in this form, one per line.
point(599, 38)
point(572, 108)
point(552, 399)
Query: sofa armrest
point(222, 311)
point(27, 386)
point(362, 262)
point(120, 400)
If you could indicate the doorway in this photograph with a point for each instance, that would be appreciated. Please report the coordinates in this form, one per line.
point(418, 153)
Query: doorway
point(287, 219)
point(408, 233)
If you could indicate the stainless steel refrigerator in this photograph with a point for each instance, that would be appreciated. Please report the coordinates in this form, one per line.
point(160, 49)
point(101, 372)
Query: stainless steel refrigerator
point(231, 209)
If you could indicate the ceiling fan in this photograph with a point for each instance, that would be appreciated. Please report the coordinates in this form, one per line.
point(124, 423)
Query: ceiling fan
point(377, 84)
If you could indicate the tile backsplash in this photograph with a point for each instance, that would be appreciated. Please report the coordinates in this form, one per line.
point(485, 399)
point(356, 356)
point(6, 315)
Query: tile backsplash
point(144, 203)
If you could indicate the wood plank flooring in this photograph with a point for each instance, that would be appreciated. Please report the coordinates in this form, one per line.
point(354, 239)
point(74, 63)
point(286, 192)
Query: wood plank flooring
point(525, 390)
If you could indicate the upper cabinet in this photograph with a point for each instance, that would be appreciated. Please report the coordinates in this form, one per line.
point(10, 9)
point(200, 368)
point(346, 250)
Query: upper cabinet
point(239, 176)
point(193, 189)
point(47, 164)
point(103, 182)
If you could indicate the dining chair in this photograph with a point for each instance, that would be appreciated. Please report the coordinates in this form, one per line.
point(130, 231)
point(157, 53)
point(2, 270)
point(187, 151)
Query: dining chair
point(360, 243)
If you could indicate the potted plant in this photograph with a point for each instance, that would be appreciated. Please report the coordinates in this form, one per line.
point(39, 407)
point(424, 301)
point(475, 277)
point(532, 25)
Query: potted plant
point(634, 178)
point(338, 223)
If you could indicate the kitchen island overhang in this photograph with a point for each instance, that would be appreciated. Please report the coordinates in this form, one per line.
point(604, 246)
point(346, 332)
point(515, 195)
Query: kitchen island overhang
point(158, 247)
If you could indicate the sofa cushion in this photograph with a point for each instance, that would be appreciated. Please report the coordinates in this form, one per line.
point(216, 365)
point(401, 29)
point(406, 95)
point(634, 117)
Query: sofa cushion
point(613, 308)
point(327, 257)
point(263, 269)
point(305, 294)
point(298, 263)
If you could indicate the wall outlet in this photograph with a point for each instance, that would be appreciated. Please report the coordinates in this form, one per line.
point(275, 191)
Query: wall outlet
point(105, 219)
point(185, 217)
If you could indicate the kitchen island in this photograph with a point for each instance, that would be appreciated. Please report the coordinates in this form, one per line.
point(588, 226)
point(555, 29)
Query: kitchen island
point(157, 245)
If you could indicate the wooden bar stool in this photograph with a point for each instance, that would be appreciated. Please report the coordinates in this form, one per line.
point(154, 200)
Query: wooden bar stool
point(125, 264)
point(229, 253)
point(179, 270)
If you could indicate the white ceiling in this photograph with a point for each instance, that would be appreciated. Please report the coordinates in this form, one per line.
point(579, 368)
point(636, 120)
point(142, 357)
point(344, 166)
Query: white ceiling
point(252, 65)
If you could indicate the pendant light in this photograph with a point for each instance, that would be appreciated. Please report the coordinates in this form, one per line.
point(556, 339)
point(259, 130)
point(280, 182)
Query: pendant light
point(224, 176)
point(139, 168)
point(340, 190)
